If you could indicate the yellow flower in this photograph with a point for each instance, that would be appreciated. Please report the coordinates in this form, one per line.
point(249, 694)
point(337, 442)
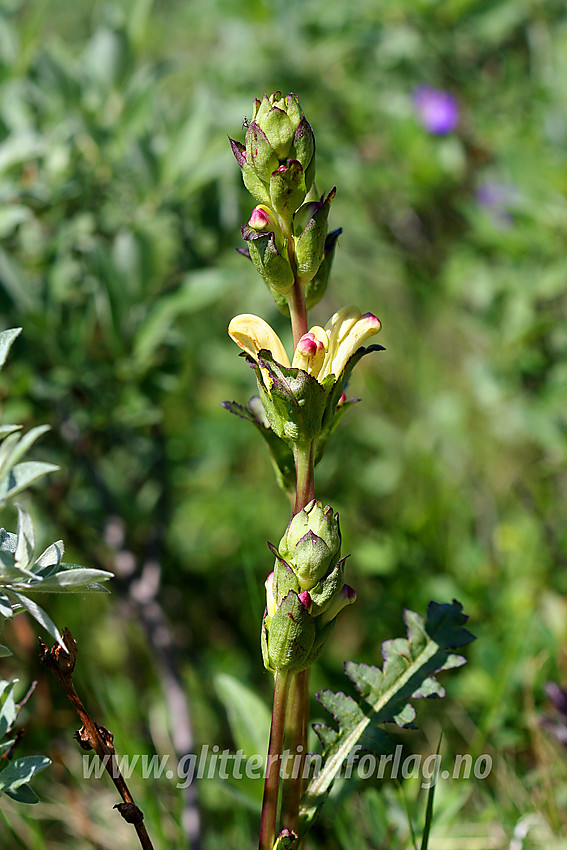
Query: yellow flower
point(320, 352)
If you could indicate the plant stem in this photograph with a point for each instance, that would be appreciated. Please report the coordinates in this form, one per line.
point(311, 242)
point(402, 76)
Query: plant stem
point(91, 736)
point(297, 719)
point(272, 783)
point(297, 722)
point(298, 313)
point(305, 475)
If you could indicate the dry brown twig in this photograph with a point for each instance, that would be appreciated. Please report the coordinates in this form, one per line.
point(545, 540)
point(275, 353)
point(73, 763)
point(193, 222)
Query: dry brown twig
point(91, 736)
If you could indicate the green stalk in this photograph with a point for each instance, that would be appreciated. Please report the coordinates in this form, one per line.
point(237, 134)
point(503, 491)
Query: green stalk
point(272, 782)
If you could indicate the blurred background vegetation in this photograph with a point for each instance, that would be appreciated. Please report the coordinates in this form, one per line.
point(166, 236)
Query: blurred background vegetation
point(119, 215)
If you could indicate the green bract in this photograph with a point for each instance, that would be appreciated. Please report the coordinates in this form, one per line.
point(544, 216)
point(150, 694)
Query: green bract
point(311, 543)
point(306, 588)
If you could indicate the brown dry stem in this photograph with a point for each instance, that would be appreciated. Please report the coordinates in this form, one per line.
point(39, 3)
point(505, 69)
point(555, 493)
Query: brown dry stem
point(91, 736)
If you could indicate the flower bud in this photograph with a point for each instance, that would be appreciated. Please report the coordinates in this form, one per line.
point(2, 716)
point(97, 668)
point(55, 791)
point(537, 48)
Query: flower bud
point(311, 543)
point(346, 597)
point(262, 219)
point(310, 239)
point(270, 261)
point(278, 132)
point(310, 351)
point(279, 119)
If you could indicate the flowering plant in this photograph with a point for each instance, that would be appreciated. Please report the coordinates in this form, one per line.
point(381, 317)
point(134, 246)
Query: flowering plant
point(299, 403)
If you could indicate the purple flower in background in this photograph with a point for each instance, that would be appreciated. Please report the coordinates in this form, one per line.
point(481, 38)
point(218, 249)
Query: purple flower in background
point(497, 199)
point(437, 109)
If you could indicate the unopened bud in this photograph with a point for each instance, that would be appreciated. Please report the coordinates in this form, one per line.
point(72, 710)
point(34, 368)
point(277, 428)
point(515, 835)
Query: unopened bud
point(346, 597)
point(311, 544)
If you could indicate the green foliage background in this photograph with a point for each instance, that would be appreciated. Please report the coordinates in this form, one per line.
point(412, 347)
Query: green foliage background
point(119, 215)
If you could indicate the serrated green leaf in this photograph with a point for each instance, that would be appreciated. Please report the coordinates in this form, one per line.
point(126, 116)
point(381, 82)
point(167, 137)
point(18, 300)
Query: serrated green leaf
point(383, 695)
point(21, 770)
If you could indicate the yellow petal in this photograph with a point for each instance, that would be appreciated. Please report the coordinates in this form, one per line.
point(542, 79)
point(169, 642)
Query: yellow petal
point(253, 334)
point(348, 329)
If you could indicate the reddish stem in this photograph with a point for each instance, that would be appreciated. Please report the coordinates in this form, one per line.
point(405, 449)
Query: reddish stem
point(272, 782)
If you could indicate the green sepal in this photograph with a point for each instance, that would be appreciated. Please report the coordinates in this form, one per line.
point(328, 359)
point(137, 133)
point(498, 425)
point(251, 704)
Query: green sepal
point(317, 286)
point(322, 635)
point(281, 455)
point(255, 186)
point(291, 635)
point(287, 189)
point(284, 577)
point(324, 592)
point(294, 401)
point(304, 145)
point(274, 267)
point(310, 244)
point(260, 154)
point(278, 131)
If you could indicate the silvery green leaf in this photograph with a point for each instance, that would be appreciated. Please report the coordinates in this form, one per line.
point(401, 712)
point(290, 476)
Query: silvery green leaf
point(9, 711)
point(39, 615)
point(22, 475)
point(9, 429)
point(6, 449)
point(5, 683)
point(23, 445)
point(22, 794)
point(4, 651)
point(19, 771)
point(5, 606)
point(72, 580)
point(26, 541)
point(6, 340)
point(49, 559)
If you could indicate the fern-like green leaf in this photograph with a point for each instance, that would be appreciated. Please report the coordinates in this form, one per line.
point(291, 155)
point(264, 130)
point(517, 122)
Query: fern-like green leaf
point(410, 665)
